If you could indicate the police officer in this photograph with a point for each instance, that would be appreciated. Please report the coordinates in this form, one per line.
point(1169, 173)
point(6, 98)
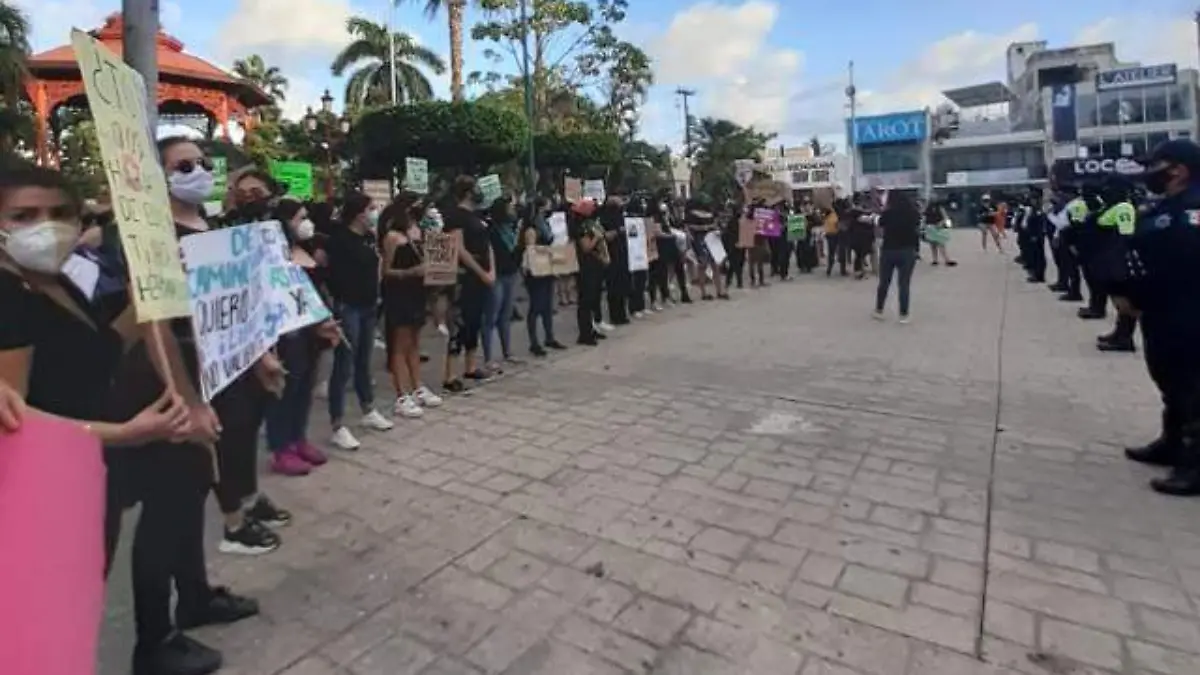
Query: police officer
point(1160, 283)
point(1122, 216)
point(1035, 233)
point(1115, 218)
point(1069, 239)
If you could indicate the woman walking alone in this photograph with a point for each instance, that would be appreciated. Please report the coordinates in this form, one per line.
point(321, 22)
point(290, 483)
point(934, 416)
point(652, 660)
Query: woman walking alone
point(901, 226)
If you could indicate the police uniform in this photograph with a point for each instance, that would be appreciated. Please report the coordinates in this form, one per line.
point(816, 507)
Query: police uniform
point(1161, 279)
point(1071, 238)
point(1117, 219)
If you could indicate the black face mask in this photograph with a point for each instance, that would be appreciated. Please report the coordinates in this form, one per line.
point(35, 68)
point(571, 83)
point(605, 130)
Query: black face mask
point(1157, 181)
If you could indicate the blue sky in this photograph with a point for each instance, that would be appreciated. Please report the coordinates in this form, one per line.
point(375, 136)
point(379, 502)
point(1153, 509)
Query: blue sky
point(778, 64)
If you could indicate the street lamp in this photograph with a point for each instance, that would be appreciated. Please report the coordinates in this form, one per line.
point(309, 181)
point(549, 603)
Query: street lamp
point(333, 130)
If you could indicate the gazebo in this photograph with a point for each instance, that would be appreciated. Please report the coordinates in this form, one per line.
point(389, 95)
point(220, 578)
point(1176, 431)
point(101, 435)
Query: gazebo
point(188, 87)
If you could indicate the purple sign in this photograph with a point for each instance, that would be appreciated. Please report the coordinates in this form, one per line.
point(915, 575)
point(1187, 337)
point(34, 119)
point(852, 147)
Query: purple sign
point(769, 223)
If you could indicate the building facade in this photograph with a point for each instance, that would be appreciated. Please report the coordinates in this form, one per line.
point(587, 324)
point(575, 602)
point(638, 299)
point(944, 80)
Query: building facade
point(806, 174)
point(889, 151)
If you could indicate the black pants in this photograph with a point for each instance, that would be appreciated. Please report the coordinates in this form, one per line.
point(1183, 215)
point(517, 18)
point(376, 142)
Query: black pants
point(862, 251)
point(835, 252)
point(618, 284)
point(171, 482)
point(735, 266)
point(1175, 378)
point(637, 292)
point(781, 253)
point(541, 307)
point(659, 289)
point(1069, 269)
point(1124, 328)
point(1036, 262)
point(590, 285)
point(241, 408)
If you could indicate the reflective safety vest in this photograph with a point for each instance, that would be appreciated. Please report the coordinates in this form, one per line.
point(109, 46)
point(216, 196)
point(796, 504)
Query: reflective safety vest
point(1077, 210)
point(1122, 216)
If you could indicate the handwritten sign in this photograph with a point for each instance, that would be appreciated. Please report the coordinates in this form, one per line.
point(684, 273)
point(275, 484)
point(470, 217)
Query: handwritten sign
point(572, 189)
point(558, 227)
point(635, 236)
point(380, 191)
point(416, 175)
point(768, 224)
point(551, 261)
point(564, 259)
point(594, 190)
point(653, 232)
point(297, 176)
point(489, 189)
point(441, 258)
point(797, 227)
point(747, 228)
point(294, 302)
point(226, 273)
point(117, 97)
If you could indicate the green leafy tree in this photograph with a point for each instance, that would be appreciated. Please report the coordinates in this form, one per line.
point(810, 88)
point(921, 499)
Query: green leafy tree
point(14, 50)
point(455, 15)
point(370, 84)
point(642, 168)
point(456, 136)
point(269, 79)
point(716, 144)
point(79, 151)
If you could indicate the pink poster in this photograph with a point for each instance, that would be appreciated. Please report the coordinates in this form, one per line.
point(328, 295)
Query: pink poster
point(769, 222)
point(52, 566)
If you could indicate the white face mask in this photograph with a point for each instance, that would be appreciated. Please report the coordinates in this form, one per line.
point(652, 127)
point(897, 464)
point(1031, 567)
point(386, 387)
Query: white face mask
point(42, 247)
point(305, 230)
point(193, 187)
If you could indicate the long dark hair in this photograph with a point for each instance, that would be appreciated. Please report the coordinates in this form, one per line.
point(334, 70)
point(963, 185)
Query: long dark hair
point(499, 211)
point(355, 205)
point(284, 212)
point(900, 204)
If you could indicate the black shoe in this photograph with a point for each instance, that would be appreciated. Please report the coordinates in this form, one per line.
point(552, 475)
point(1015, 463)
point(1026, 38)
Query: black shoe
point(222, 607)
point(1125, 346)
point(1057, 288)
point(588, 341)
point(479, 375)
point(1034, 279)
point(556, 345)
point(1181, 482)
point(934, 263)
point(454, 387)
point(951, 263)
point(1087, 313)
point(1070, 297)
point(600, 336)
point(265, 512)
point(1158, 453)
point(537, 351)
point(424, 358)
point(177, 655)
point(252, 538)
point(685, 300)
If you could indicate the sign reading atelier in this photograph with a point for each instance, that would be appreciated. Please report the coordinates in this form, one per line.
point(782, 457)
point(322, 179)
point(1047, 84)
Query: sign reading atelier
point(1140, 76)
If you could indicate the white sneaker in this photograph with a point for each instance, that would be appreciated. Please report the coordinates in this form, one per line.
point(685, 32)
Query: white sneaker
point(441, 328)
point(639, 315)
point(605, 327)
point(406, 406)
point(904, 319)
point(373, 420)
point(658, 308)
point(427, 398)
point(345, 440)
point(878, 316)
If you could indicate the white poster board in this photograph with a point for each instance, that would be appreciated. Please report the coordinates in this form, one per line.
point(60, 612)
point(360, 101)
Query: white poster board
point(594, 190)
point(558, 228)
point(635, 236)
point(716, 247)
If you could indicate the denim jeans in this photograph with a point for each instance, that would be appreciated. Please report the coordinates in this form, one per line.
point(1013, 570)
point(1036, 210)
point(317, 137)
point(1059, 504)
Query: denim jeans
point(358, 324)
point(902, 262)
point(541, 305)
point(287, 416)
point(497, 315)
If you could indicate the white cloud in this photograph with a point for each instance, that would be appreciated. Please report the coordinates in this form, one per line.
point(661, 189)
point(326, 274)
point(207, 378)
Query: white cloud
point(723, 50)
point(1145, 38)
point(301, 93)
point(285, 32)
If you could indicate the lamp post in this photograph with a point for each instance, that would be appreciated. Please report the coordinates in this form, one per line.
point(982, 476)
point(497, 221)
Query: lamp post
point(531, 179)
point(334, 129)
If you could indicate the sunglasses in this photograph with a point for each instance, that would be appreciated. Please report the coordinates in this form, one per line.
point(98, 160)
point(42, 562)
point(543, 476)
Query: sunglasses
point(189, 165)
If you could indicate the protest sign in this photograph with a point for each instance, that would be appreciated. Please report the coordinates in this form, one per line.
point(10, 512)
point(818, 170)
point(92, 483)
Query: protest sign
point(743, 170)
point(747, 228)
point(117, 98)
point(653, 232)
point(769, 191)
point(416, 175)
point(635, 236)
point(716, 247)
point(564, 259)
point(594, 190)
point(380, 191)
point(220, 178)
point(294, 301)
point(52, 484)
point(768, 223)
point(489, 189)
point(797, 227)
point(441, 258)
point(297, 176)
point(539, 261)
point(572, 189)
point(558, 227)
point(226, 277)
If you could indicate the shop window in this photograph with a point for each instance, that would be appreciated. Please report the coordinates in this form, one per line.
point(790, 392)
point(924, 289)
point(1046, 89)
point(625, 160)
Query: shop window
point(1110, 147)
point(1180, 102)
point(1157, 103)
point(1137, 144)
point(1133, 108)
point(1085, 108)
point(1109, 103)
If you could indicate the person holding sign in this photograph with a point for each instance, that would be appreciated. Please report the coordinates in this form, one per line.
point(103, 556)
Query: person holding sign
point(502, 229)
point(475, 279)
point(537, 233)
point(700, 221)
point(404, 302)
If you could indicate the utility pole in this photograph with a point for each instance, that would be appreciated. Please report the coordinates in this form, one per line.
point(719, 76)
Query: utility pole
point(140, 37)
point(686, 94)
point(531, 179)
point(852, 132)
point(392, 52)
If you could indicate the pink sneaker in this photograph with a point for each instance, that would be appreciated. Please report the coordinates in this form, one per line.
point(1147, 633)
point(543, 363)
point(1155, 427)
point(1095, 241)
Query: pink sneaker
point(288, 462)
point(310, 453)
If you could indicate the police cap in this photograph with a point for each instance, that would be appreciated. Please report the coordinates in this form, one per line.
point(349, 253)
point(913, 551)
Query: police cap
point(1177, 151)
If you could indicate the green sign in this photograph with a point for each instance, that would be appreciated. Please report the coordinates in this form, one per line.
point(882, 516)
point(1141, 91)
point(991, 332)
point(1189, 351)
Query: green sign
point(220, 177)
point(797, 227)
point(416, 175)
point(297, 176)
point(489, 189)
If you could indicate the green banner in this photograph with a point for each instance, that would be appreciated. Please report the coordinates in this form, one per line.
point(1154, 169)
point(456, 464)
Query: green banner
point(416, 175)
point(220, 178)
point(297, 176)
point(797, 227)
point(489, 189)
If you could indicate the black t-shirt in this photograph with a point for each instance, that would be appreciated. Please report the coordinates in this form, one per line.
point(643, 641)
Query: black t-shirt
point(353, 267)
point(506, 246)
point(901, 231)
point(985, 214)
point(73, 363)
point(475, 237)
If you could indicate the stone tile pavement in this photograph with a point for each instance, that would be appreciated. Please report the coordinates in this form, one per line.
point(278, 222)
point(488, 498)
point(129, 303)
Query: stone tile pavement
point(777, 485)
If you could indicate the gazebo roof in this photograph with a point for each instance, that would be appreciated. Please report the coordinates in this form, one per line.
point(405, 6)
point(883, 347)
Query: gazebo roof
point(173, 64)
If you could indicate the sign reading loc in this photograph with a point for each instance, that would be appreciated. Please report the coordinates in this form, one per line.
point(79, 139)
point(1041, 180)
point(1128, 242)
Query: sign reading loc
point(117, 98)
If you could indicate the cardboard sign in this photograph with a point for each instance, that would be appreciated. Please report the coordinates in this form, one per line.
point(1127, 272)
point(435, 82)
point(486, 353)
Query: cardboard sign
point(441, 258)
point(539, 261)
point(653, 232)
point(297, 176)
point(380, 191)
point(572, 189)
point(770, 191)
point(116, 96)
point(747, 228)
point(564, 259)
point(635, 236)
point(416, 175)
point(52, 483)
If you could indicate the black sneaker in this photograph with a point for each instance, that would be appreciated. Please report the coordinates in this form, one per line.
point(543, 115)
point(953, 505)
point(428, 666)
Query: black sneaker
point(479, 375)
point(454, 387)
point(177, 655)
point(265, 512)
point(222, 607)
point(252, 538)
point(537, 351)
point(555, 345)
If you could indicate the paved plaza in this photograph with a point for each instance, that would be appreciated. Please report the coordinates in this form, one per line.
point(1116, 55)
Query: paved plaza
point(777, 485)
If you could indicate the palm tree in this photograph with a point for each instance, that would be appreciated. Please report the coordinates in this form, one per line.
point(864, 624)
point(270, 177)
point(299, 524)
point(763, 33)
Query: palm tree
point(370, 83)
point(267, 78)
point(14, 49)
point(716, 145)
point(455, 12)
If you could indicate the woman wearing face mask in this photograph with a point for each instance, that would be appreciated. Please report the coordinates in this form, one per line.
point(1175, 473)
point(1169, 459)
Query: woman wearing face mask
point(502, 230)
point(354, 279)
point(61, 356)
point(404, 304)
